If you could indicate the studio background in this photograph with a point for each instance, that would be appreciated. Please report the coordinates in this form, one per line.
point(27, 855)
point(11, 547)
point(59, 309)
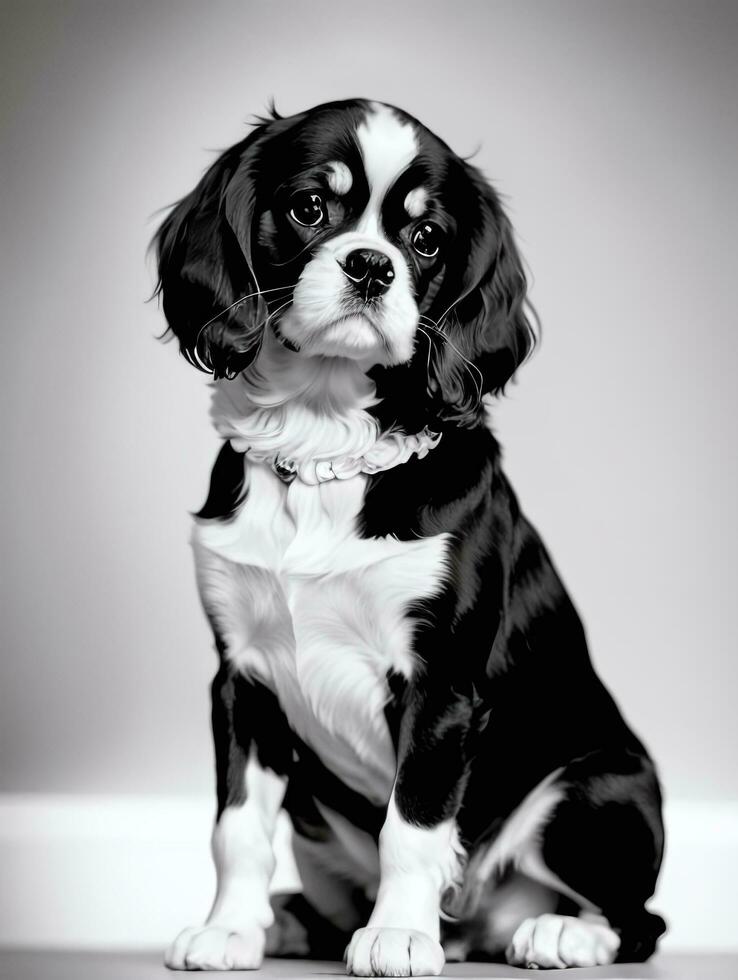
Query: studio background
point(611, 129)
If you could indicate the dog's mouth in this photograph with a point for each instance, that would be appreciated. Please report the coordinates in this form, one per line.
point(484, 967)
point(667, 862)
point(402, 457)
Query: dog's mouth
point(352, 316)
point(331, 331)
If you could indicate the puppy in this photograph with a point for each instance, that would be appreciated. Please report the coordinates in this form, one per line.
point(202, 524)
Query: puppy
point(401, 668)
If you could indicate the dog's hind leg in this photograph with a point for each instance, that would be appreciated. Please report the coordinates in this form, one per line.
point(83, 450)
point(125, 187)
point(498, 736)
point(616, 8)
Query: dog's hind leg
point(602, 845)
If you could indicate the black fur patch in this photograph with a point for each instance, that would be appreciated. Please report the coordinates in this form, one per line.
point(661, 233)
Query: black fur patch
point(226, 493)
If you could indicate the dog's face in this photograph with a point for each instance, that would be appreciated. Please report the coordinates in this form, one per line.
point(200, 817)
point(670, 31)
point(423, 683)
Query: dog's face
point(351, 231)
point(352, 222)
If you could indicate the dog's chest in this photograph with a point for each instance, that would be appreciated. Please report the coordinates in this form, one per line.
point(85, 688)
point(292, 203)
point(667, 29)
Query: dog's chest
point(319, 614)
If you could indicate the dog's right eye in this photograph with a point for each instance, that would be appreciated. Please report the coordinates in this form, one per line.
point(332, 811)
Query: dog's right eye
point(308, 209)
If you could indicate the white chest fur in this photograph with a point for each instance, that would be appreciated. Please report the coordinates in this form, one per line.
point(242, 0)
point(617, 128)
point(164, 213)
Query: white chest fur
point(316, 612)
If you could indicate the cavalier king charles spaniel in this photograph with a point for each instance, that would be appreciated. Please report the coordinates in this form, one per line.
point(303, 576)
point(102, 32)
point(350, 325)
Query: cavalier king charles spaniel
point(400, 666)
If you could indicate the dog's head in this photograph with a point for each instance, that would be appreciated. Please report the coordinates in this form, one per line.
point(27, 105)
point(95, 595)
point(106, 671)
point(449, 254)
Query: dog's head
point(351, 231)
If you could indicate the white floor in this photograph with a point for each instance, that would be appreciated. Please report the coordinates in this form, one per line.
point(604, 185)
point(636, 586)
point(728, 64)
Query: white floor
point(68, 965)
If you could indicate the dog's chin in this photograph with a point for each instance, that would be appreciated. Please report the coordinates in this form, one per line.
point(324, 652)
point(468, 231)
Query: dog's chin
point(354, 337)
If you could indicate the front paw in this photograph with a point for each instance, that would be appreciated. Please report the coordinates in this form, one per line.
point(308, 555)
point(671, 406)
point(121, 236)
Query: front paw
point(393, 953)
point(212, 947)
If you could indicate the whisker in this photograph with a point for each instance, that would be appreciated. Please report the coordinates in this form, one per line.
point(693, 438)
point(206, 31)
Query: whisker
point(263, 323)
point(430, 322)
point(469, 365)
point(297, 255)
point(447, 311)
point(241, 299)
point(430, 346)
point(276, 312)
point(271, 316)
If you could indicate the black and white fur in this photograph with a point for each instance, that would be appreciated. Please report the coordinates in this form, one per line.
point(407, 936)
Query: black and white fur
point(400, 666)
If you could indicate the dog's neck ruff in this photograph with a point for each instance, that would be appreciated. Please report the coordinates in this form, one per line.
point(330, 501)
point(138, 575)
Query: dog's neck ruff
point(307, 418)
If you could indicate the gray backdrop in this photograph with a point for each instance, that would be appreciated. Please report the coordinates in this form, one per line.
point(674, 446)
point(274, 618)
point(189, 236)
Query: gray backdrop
point(611, 129)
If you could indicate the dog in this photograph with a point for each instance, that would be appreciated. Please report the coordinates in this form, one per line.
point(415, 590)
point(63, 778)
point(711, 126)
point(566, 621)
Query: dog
point(400, 666)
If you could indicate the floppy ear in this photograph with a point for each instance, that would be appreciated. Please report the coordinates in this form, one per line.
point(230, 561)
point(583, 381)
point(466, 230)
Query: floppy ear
point(486, 321)
point(205, 267)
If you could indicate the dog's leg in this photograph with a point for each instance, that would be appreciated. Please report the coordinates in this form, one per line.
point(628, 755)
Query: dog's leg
point(419, 851)
point(249, 798)
point(602, 847)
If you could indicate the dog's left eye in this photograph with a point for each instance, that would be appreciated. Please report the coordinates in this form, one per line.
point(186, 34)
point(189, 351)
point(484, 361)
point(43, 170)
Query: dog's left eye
point(308, 209)
point(426, 239)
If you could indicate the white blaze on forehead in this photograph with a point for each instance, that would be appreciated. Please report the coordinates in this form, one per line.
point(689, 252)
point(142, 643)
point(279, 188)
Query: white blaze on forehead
point(416, 201)
point(388, 145)
point(340, 178)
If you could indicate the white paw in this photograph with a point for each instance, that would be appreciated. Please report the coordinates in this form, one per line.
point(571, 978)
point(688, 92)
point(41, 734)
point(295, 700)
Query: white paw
point(393, 953)
point(212, 947)
point(559, 941)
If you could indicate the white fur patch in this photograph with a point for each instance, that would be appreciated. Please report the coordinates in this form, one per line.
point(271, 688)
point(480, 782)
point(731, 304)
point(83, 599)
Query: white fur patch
point(318, 322)
point(233, 936)
point(242, 851)
point(417, 865)
point(340, 179)
point(300, 407)
point(416, 201)
point(304, 604)
point(388, 146)
point(318, 614)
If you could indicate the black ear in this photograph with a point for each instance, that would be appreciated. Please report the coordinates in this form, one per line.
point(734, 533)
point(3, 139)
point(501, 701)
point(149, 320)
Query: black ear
point(205, 266)
point(486, 317)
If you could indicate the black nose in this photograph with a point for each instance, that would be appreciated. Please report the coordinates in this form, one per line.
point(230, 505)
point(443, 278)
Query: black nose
point(369, 271)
